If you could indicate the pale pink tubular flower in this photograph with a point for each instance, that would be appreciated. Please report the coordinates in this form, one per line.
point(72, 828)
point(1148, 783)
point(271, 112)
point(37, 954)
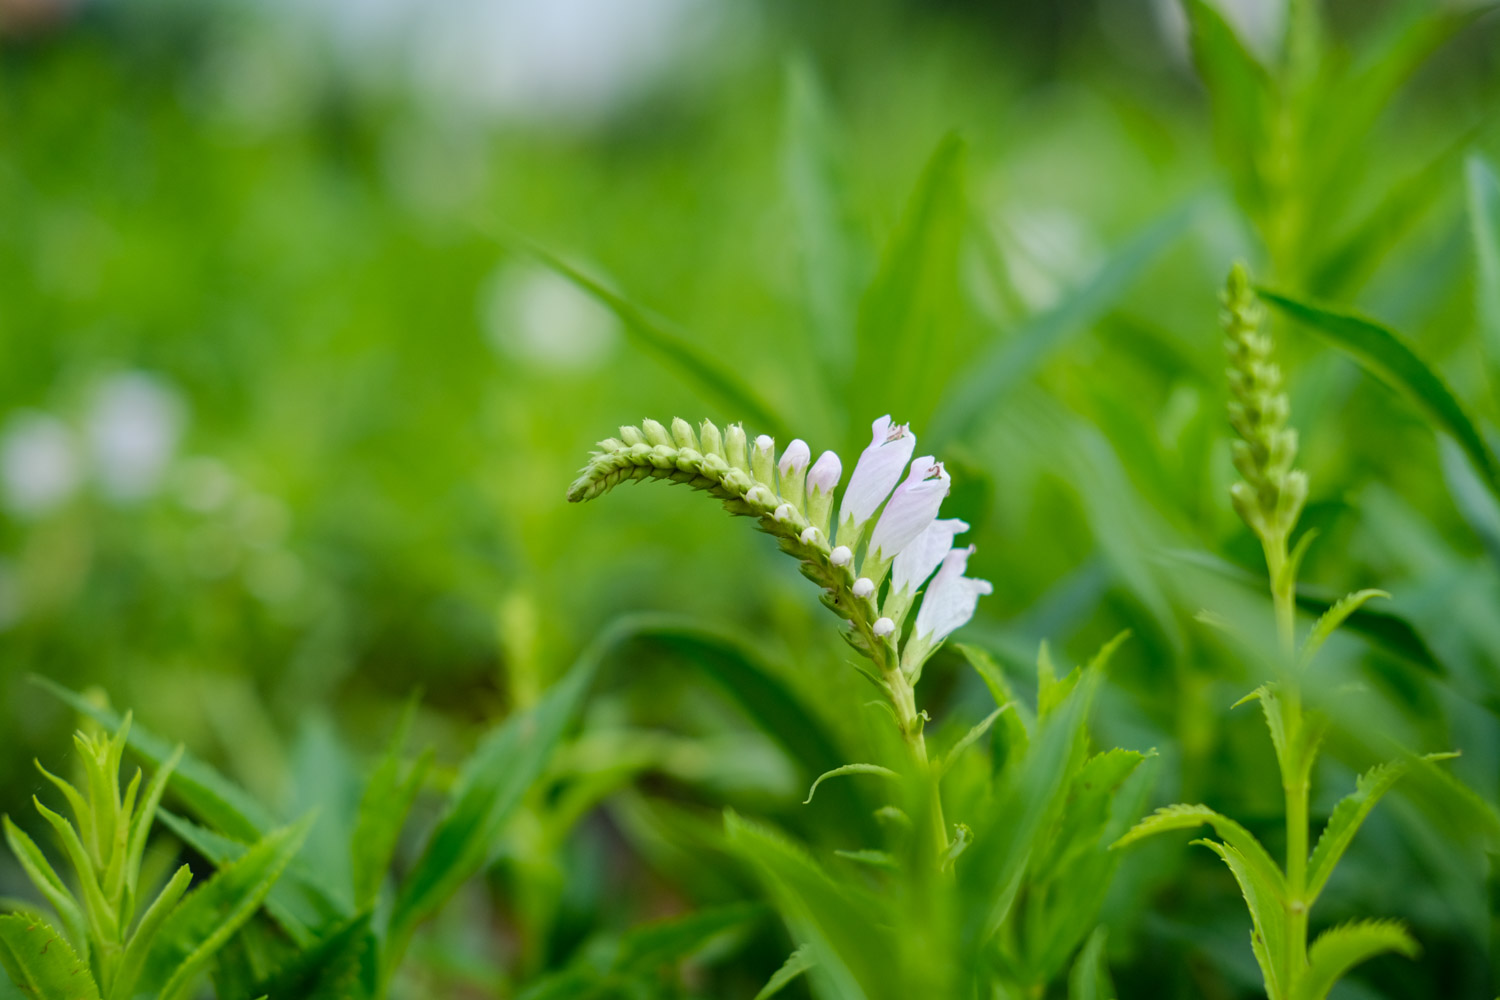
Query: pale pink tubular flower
point(876, 473)
point(951, 600)
point(915, 563)
point(912, 508)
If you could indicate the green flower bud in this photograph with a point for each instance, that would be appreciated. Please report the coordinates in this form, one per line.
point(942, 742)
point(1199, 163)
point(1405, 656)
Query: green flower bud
point(632, 435)
point(682, 434)
point(713, 443)
point(656, 434)
point(763, 461)
point(735, 447)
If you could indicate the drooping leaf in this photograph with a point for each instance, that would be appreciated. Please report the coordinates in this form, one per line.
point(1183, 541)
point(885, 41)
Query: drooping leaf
point(673, 347)
point(1006, 362)
point(40, 961)
point(1331, 619)
point(1391, 359)
point(795, 965)
point(844, 769)
point(209, 915)
point(1274, 712)
point(1341, 948)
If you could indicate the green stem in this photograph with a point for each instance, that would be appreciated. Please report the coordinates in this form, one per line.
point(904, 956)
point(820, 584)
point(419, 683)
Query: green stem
point(903, 700)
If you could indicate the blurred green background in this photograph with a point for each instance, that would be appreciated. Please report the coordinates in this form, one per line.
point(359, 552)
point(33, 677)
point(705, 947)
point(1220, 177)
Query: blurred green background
point(288, 405)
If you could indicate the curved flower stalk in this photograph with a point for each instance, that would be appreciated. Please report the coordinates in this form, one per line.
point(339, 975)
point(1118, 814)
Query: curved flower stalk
point(888, 543)
point(1269, 499)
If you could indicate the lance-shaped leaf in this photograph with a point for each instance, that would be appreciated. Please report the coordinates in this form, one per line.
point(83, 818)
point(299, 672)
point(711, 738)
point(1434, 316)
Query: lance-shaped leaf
point(1331, 619)
point(36, 866)
point(1484, 221)
point(1341, 948)
point(1388, 357)
point(1239, 87)
point(842, 770)
point(1187, 817)
point(795, 965)
point(1345, 820)
point(40, 961)
point(1265, 899)
point(1089, 977)
point(208, 916)
point(383, 809)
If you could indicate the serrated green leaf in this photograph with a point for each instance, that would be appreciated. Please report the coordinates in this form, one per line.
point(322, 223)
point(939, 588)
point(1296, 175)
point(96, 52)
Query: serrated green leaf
point(795, 965)
point(40, 961)
point(1345, 820)
point(1273, 710)
point(1187, 817)
point(1331, 619)
point(1341, 948)
point(37, 868)
point(209, 915)
point(1006, 362)
point(905, 340)
point(1388, 357)
point(339, 967)
point(210, 796)
point(844, 769)
point(490, 788)
point(1266, 901)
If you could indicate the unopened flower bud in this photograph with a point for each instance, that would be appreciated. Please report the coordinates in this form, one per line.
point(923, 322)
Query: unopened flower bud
point(822, 480)
point(793, 469)
point(713, 442)
point(632, 435)
point(864, 587)
point(785, 512)
point(841, 556)
point(763, 460)
point(809, 535)
point(734, 447)
point(656, 434)
point(760, 496)
point(883, 627)
point(682, 434)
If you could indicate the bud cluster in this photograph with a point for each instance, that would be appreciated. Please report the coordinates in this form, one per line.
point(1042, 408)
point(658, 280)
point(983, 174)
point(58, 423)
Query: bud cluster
point(1272, 494)
point(889, 536)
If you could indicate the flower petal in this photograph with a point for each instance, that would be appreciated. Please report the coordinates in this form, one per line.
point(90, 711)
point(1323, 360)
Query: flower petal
point(877, 472)
point(916, 561)
point(912, 508)
point(951, 600)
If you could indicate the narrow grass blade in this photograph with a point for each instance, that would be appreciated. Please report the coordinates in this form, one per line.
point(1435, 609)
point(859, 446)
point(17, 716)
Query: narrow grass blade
point(387, 800)
point(1391, 359)
point(795, 965)
point(906, 340)
point(1484, 222)
point(1239, 87)
point(1089, 978)
point(674, 348)
point(1006, 362)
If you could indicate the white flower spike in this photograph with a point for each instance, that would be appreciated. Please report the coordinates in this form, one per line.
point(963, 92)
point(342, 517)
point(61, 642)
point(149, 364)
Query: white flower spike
point(912, 508)
point(875, 475)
